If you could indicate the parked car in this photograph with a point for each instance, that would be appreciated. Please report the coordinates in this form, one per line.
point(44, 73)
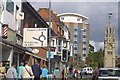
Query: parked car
point(87, 70)
point(109, 74)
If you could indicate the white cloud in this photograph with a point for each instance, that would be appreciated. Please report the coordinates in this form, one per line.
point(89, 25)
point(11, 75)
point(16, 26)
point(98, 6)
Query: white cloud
point(97, 45)
point(93, 44)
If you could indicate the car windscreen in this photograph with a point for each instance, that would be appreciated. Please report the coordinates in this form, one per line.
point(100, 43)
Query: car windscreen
point(109, 73)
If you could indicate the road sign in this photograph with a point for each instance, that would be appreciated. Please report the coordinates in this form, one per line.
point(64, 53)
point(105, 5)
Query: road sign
point(52, 49)
point(20, 15)
point(51, 54)
point(35, 37)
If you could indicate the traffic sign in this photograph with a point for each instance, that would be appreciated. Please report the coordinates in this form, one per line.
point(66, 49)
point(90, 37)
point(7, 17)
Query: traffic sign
point(52, 49)
point(35, 37)
point(51, 54)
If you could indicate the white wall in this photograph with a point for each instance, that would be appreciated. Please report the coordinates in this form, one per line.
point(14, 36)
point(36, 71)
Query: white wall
point(8, 18)
point(72, 19)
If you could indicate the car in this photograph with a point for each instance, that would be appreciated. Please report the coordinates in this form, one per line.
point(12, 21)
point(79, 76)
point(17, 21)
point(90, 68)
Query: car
point(87, 70)
point(109, 74)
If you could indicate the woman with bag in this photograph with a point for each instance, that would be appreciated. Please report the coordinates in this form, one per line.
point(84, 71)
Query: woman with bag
point(27, 73)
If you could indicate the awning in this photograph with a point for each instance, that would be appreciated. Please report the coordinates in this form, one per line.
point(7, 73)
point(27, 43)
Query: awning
point(35, 56)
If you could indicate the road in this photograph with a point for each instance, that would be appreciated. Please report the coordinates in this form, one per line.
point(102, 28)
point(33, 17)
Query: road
point(84, 77)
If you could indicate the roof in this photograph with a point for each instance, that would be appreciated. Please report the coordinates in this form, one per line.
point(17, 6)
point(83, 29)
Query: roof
point(73, 14)
point(110, 68)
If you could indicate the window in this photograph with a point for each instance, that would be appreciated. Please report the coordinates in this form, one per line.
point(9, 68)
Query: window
point(75, 48)
point(62, 18)
point(84, 49)
point(75, 36)
point(84, 55)
point(78, 19)
point(110, 30)
point(59, 42)
point(84, 36)
point(17, 8)
point(84, 42)
point(75, 29)
point(10, 6)
point(75, 42)
point(75, 54)
point(84, 30)
point(53, 42)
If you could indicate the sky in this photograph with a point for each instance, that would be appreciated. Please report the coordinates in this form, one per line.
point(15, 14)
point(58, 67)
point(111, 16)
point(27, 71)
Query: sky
point(97, 12)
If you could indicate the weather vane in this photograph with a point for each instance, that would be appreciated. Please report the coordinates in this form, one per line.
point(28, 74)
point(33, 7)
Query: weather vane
point(110, 15)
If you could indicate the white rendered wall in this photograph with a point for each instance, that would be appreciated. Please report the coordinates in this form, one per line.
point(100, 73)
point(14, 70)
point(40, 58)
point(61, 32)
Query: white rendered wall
point(72, 19)
point(8, 18)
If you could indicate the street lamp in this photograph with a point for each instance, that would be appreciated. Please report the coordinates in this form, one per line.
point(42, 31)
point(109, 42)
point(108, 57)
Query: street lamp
point(49, 36)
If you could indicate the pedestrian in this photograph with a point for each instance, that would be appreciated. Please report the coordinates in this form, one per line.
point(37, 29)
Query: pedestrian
point(37, 71)
point(2, 71)
point(63, 74)
point(75, 73)
point(95, 73)
point(56, 73)
point(71, 70)
point(81, 73)
point(44, 73)
point(27, 73)
point(19, 70)
point(12, 73)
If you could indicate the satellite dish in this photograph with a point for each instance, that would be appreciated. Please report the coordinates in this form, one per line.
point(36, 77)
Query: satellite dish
point(35, 51)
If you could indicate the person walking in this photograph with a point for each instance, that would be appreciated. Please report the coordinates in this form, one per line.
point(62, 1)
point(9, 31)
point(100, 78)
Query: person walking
point(81, 74)
point(2, 71)
point(19, 70)
point(12, 73)
point(44, 73)
point(27, 73)
point(95, 73)
point(56, 73)
point(71, 70)
point(37, 71)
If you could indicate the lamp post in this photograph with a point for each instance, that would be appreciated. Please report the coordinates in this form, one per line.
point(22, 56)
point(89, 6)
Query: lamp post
point(49, 68)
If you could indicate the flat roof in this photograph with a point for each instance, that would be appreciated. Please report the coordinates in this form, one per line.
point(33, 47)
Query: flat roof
point(107, 68)
point(73, 14)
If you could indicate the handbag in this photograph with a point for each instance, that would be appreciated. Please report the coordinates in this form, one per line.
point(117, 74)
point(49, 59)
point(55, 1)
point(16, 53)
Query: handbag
point(32, 76)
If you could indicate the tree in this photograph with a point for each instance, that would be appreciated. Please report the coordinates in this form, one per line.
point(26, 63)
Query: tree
point(96, 59)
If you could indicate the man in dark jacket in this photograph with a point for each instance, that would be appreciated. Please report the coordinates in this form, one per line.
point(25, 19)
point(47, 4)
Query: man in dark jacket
point(37, 71)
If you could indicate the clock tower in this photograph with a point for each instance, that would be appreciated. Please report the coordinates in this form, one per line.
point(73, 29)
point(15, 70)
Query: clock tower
point(109, 45)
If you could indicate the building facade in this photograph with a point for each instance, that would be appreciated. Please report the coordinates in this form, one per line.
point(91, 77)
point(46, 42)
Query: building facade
point(60, 38)
point(109, 47)
point(79, 31)
point(12, 49)
point(10, 45)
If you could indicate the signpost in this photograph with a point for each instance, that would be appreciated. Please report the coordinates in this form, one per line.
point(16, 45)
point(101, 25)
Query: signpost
point(35, 37)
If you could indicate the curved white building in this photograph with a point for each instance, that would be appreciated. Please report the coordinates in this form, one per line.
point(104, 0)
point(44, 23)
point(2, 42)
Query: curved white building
point(79, 31)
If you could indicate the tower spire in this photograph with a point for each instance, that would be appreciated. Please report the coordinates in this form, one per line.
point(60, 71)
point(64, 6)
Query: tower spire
point(110, 15)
